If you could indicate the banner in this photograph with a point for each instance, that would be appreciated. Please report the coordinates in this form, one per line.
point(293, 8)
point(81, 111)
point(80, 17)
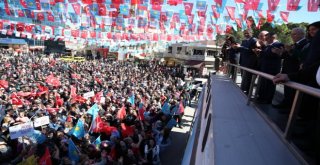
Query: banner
point(88, 94)
point(41, 121)
point(21, 130)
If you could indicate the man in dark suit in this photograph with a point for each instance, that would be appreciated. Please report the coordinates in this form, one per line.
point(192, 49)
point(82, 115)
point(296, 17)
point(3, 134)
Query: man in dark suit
point(247, 58)
point(291, 63)
point(270, 62)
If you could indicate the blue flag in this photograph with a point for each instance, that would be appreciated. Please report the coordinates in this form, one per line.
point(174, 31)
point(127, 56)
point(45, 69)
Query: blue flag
point(124, 9)
point(93, 110)
point(166, 108)
point(131, 99)
point(97, 142)
point(73, 152)
point(31, 4)
point(155, 14)
point(201, 5)
point(78, 130)
point(45, 6)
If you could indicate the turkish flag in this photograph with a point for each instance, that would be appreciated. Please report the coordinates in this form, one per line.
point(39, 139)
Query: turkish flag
point(209, 29)
point(50, 17)
point(156, 2)
point(100, 1)
point(73, 91)
point(51, 80)
point(126, 130)
point(156, 7)
point(292, 5)
point(270, 16)
point(190, 19)
point(23, 3)
point(135, 2)
point(251, 4)
point(188, 6)
point(84, 34)
point(121, 113)
point(20, 27)
point(46, 158)
point(163, 17)
point(29, 28)
point(38, 4)
point(231, 10)
point(4, 84)
point(216, 14)
point(21, 13)
point(76, 7)
point(89, 2)
point(313, 5)
point(272, 5)
point(172, 2)
point(75, 33)
point(202, 13)
point(284, 15)
point(40, 16)
point(102, 10)
point(219, 2)
point(117, 2)
point(108, 130)
point(93, 34)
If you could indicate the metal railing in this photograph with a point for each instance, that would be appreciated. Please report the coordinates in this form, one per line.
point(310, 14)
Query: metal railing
point(300, 90)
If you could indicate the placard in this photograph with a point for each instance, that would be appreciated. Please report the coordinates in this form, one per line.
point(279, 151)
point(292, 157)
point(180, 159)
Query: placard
point(41, 121)
point(88, 94)
point(21, 130)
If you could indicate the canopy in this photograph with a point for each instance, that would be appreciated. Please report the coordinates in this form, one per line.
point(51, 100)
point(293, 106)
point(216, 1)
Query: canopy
point(12, 41)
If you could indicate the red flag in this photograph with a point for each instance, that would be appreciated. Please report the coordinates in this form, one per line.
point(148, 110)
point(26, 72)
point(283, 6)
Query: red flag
point(51, 80)
point(15, 100)
point(20, 27)
point(76, 8)
point(97, 125)
point(135, 2)
point(100, 1)
point(163, 17)
point(230, 10)
point(292, 5)
point(38, 4)
point(121, 113)
point(21, 13)
point(284, 15)
point(84, 34)
point(40, 16)
point(156, 7)
point(209, 29)
point(272, 5)
point(313, 5)
point(216, 14)
point(117, 2)
point(23, 3)
point(89, 2)
point(52, 110)
point(75, 33)
point(73, 91)
point(97, 97)
point(108, 129)
point(102, 10)
point(127, 130)
point(188, 6)
point(23, 94)
point(156, 2)
point(4, 84)
point(270, 16)
point(46, 158)
point(50, 17)
point(202, 13)
point(219, 2)
point(251, 4)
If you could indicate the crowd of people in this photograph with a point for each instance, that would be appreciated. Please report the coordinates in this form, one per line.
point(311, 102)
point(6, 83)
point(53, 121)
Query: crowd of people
point(100, 112)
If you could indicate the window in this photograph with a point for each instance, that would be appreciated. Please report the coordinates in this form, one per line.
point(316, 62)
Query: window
point(170, 49)
point(197, 52)
point(179, 50)
point(208, 106)
point(211, 53)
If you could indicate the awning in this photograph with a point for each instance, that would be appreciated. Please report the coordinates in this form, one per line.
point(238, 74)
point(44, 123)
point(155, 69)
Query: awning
point(194, 63)
point(12, 41)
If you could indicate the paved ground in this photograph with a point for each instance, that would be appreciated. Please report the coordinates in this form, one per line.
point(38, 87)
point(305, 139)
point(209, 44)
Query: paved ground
point(173, 153)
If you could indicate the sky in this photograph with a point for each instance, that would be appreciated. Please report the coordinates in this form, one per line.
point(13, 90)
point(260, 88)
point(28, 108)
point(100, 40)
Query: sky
point(299, 16)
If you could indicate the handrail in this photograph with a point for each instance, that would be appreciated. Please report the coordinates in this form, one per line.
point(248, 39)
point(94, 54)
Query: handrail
point(303, 88)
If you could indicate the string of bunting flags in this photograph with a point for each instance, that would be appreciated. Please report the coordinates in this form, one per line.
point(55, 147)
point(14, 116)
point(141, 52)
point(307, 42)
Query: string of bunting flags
point(102, 21)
